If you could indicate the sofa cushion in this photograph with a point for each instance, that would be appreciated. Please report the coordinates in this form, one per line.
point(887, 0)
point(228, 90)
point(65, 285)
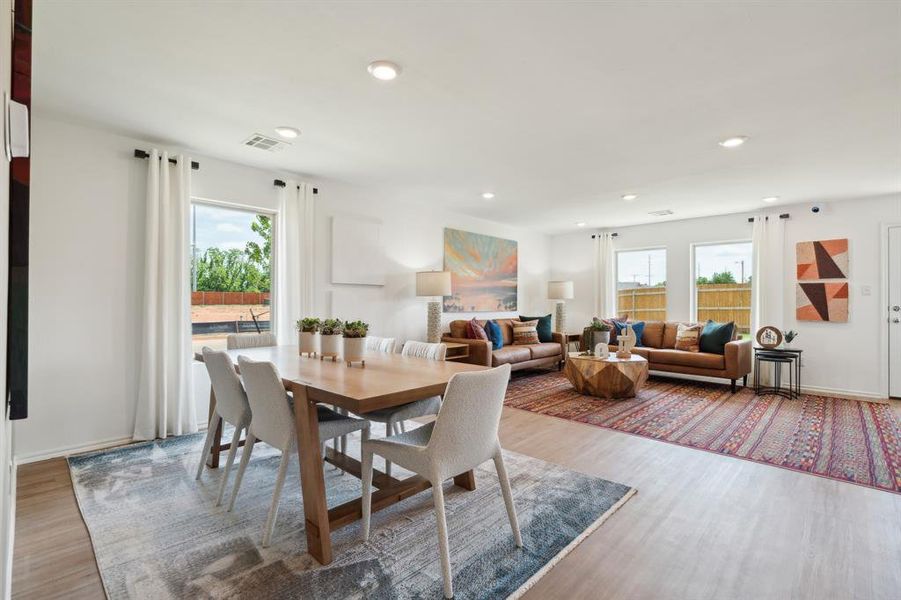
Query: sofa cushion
point(652, 336)
point(494, 334)
point(525, 332)
point(715, 336)
point(700, 360)
point(544, 350)
point(544, 327)
point(458, 328)
point(511, 355)
point(669, 333)
point(506, 330)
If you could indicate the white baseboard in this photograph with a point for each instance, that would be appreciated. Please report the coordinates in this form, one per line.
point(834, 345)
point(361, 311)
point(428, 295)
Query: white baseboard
point(23, 459)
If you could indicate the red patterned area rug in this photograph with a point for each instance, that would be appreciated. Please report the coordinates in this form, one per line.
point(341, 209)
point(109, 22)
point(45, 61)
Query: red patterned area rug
point(858, 442)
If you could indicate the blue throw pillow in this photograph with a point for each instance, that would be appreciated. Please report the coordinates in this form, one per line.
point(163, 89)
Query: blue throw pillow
point(494, 334)
point(637, 327)
point(715, 336)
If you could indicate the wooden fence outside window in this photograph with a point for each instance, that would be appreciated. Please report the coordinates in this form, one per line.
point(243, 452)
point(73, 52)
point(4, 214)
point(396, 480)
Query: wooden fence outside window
point(721, 302)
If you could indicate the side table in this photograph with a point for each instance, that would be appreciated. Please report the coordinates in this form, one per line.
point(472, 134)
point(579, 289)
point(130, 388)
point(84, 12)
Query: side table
point(779, 357)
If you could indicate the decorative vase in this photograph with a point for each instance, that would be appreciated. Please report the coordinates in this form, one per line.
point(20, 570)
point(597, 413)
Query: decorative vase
point(308, 342)
point(354, 350)
point(601, 350)
point(599, 337)
point(330, 346)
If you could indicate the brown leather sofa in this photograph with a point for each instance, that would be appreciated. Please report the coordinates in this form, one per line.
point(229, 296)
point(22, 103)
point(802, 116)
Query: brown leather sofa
point(528, 356)
point(658, 346)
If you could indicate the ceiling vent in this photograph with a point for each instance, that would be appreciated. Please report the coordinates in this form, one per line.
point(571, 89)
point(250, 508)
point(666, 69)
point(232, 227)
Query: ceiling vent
point(258, 140)
point(661, 213)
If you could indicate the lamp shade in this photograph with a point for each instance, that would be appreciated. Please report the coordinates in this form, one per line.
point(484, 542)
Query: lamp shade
point(433, 283)
point(560, 290)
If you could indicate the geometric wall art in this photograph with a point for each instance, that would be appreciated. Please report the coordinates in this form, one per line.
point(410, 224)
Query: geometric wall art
point(483, 271)
point(823, 259)
point(822, 302)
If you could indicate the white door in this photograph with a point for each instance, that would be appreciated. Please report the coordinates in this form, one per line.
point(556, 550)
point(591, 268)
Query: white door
point(894, 310)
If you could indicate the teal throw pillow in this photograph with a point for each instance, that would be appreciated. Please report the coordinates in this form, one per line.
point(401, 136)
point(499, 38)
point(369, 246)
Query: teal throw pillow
point(715, 336)
point(494, 334)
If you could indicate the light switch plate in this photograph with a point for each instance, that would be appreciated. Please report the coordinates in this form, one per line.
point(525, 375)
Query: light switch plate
point(866, 290)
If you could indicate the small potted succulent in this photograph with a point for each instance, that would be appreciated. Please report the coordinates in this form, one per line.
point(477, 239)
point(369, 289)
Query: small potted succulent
point(355, 341)
point(330, 333)
point(307, 338)
point(599, 332)
point(789, 335)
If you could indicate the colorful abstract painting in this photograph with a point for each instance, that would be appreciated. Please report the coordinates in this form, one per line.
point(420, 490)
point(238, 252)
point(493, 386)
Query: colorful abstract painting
point(483, 272)
point(824, 259)
point(822, 302)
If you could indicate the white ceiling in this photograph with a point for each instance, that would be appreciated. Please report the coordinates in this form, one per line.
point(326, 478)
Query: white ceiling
point(557, 108)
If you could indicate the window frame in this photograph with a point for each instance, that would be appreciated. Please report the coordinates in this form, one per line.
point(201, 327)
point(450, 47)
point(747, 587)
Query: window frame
point(693, 278)
point(616, 254)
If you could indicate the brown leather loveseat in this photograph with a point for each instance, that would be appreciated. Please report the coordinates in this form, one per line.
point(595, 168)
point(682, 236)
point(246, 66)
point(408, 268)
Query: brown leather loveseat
point(548, 354)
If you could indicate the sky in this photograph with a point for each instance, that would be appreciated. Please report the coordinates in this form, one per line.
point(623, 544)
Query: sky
point(222, 227)
point(633, 266)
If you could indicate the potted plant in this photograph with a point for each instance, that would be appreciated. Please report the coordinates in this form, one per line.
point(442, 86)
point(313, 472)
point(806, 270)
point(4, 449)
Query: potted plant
point(599, 332)
point(307, 340)
point(355, 341)
point(788, 336)
point(330, 333)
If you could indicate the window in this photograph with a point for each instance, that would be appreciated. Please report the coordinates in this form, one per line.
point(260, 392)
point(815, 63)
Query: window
point(231, 278)
point(722, 283)
point(641, 284)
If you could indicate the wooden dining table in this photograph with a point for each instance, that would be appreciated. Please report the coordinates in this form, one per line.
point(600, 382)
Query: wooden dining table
point(387, 380)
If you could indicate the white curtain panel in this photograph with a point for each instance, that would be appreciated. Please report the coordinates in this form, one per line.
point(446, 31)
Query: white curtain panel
point(768, 269)
point(604, 284)
point(165, 406)
point(293, 285)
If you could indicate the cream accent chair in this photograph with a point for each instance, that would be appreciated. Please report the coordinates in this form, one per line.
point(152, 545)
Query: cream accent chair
point(237, 341)
point(380, 344)
point(273, 423)
point(463, 437)
point(231, 407)
point(394, 417)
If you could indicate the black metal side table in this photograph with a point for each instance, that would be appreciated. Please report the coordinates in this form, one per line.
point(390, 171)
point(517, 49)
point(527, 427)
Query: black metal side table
point(779, 357)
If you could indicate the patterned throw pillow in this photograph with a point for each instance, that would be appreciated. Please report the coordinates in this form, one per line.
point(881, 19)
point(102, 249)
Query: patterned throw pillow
point(475, 330)
point(525, 332)
point(688, 337)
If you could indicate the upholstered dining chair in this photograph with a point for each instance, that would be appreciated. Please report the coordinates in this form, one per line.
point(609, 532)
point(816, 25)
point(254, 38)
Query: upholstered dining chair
point(462, 437)
point(237, 341)
point(231, 407)
point(394, 417)
point(273, 423)
point(380, 344)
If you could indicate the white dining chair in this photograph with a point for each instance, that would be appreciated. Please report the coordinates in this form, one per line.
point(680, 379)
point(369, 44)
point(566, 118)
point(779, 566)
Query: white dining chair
point(231, 407)
point(394, 417)
point(238, 341)
point(273, 423)
point(380, 344)
point(462, 437)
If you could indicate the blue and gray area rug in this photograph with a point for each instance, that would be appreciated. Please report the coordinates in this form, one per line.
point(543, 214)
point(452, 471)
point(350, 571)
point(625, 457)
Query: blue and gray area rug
point(157, 533)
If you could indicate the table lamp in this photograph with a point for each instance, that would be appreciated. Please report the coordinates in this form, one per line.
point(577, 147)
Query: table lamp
point(433, 284)
point(560, 291)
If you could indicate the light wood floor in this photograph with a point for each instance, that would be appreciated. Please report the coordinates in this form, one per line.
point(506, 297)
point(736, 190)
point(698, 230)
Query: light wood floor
point(701, 526)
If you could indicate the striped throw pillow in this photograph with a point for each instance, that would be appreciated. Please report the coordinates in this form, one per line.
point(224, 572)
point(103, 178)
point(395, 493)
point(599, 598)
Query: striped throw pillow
point(524, 332)
point(688, 337)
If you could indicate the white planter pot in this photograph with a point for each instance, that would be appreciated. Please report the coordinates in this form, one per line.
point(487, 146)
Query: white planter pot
point(354, 349)
point(308, 342)
point(330, 345)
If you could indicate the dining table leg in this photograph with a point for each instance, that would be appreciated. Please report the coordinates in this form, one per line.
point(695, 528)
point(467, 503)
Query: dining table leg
point(312, 479)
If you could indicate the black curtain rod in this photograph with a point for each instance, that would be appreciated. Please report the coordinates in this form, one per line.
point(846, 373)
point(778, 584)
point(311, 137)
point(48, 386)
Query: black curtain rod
point(280, 183)
point(144, 154)
point(782, 216)
point(594, 235)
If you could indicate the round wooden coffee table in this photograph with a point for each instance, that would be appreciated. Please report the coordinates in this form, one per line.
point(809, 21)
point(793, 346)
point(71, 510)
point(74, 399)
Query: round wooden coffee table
point(609, 377)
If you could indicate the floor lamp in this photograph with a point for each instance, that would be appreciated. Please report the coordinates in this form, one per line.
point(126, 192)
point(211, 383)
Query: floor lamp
point(433, 284)
point(560, 291)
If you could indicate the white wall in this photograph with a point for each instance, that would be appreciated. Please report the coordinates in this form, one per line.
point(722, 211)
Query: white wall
point(830, 365)
point(7, 466)
point(86, 270)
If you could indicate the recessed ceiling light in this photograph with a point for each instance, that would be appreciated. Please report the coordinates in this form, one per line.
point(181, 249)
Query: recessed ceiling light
point(580, 224)
point(734, 142)
point(287, 132)
point(384, 70)
point(630, 197)
point(770, 199)
point(487, 195)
